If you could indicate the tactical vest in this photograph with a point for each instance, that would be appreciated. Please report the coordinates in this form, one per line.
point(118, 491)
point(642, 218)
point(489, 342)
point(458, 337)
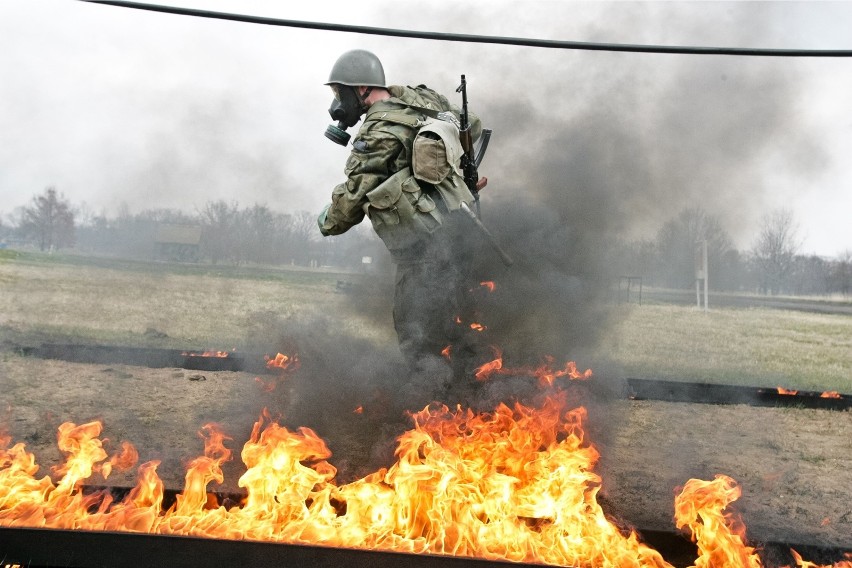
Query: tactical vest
point(403, 208)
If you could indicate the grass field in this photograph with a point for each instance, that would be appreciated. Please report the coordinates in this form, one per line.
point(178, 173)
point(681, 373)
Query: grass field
point(99, 300)
point(747, 346)
point(89, 299)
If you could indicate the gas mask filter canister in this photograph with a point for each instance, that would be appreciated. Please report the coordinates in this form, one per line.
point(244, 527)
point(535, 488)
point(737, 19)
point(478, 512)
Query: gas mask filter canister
point(346, 109)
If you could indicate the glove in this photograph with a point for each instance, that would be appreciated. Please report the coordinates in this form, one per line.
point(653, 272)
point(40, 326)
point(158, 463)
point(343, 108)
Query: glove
point(321, 219)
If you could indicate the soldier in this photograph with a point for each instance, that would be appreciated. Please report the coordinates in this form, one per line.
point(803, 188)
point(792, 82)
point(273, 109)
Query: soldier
point(403, 174)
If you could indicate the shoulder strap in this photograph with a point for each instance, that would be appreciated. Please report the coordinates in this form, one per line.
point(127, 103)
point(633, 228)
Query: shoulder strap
point(397, 116)
point(402, 115)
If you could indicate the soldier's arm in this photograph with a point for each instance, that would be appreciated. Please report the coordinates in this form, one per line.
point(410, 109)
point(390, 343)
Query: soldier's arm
point(368, 165)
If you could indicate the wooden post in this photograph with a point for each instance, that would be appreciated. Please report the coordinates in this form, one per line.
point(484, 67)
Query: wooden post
point(706, 277)
point(701, 267)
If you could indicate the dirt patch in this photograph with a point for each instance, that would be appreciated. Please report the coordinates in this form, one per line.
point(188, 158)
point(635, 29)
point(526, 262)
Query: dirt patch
point(160, 411)
point(794, 465)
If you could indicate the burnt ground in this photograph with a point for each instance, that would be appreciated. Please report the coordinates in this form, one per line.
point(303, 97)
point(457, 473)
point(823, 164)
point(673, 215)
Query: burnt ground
point(794, 465)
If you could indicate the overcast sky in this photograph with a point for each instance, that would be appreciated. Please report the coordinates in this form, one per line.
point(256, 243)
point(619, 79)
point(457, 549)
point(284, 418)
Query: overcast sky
point(123, 109)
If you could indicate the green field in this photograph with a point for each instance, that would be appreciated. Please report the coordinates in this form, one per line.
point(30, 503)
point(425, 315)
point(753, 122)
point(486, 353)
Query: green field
point(89, 299)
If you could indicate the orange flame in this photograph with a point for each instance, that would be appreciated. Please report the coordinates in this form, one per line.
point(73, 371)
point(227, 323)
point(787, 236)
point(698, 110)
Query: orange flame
point(720, 537)
point(446, 351)
point(517, 484)
point(123, 461)
point(208, 353)
point(280, 361)
point(830, 394)
point(546, 375)
point(488, 285)
point(782, 390)
point(473, 325)
point(284, 364)
point(84, 448)
point(484, 372)
point(545, 372)
point(359, 410)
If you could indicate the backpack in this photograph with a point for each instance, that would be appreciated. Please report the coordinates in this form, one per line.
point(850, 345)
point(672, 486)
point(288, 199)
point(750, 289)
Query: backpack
point(401, 212)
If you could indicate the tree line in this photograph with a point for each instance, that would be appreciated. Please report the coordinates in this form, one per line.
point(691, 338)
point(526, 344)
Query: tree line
point(234, 234)
point(229, 234)
point(773, 265)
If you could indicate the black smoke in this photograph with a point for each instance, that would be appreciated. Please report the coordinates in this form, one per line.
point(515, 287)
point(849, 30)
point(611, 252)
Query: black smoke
point(588, 148)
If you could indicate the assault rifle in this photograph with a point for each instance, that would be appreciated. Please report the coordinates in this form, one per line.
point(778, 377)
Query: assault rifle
point(472, 156)
point(470, 161)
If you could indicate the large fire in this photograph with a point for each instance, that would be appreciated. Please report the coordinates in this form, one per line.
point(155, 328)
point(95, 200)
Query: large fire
point(517, 483)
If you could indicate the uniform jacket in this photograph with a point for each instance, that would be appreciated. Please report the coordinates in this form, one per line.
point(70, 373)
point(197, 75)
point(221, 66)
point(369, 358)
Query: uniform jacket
point(380, 184)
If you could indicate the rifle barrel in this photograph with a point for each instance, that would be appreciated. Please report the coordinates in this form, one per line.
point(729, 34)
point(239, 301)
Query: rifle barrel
point(504, 256)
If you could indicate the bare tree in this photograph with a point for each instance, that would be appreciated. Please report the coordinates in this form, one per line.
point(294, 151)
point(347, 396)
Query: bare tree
point(676, 242)
point(775, 249)
point(49, 220)
point(842, 274)
point(304, 227)
point(257, 232)
point(810, 275)
point(300, 230)
point(219, 221)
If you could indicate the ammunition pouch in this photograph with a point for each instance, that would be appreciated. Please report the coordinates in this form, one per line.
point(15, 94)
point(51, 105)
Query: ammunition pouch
point(436, 159)
point(401, 213)
point(437, 151)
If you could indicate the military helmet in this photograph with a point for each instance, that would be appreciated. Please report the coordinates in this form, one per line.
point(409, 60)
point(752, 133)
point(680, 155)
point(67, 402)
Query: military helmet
point(358, 67)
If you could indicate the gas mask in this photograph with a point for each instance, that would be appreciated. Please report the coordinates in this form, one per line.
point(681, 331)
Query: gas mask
point(346, 108)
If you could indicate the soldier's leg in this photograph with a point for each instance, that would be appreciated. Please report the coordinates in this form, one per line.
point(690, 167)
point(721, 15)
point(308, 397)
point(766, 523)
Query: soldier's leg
point(424, 308)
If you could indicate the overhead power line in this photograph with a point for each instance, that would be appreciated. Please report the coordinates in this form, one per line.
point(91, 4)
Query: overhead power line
point(441, 36)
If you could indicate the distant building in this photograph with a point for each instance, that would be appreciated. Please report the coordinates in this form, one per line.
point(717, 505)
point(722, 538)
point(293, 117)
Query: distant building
point(177, 242)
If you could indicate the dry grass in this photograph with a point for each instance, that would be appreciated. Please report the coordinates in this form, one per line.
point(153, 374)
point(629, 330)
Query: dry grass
point(200, 307)
point(213, 309)
point(762, 347)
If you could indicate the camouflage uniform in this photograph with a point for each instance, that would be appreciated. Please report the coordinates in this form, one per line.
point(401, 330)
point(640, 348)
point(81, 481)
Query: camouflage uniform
point(419, 222)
